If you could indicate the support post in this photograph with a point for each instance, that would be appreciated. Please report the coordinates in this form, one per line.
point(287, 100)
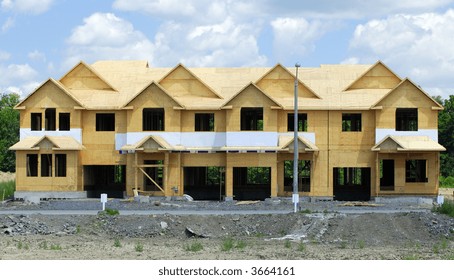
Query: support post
point(295, 197)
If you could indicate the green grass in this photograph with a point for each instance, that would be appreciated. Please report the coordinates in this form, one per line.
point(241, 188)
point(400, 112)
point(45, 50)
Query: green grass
point(361, 244)
point(446, 208)
point(306, 211)
point(112, 212)
point(410, 257)
point(55, 247)
point(447, 182)
point(139, 247)
point(43, 245)
point(301, 246)
point(193, 247)
point(117, 243)
point(7, 189)
point(229, 244)
point(287, 244)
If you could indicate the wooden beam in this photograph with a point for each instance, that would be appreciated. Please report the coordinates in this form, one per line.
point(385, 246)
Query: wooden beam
point(151, 179)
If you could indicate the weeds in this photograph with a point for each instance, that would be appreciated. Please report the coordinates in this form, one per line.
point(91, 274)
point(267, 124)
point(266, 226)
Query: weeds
point(112, 212)
point(77, 229)
point(343, 245)
point(55, 247)
point(7, 189)
point(193, 247)
point(410, 257)
point(446, 208)
point(361, 244)
point(117, 243)
point(306, 211)
point(19, 245)
point(287, 244)
point(229, 244)
point(301, 246)
point(139, 247)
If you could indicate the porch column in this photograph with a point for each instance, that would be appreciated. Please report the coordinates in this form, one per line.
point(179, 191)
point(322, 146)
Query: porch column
point(229, 183)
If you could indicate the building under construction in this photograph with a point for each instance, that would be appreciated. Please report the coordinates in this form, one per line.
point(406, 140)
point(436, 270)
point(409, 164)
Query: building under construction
point(227, 133)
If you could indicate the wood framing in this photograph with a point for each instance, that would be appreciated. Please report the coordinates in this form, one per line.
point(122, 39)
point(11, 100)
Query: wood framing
point(123, 127)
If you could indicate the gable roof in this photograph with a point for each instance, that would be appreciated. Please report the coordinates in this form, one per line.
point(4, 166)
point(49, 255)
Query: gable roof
point(408, 144)
point(146, 87)
point(286, 142)
point(64, 143)
point(251, 84)
point(407, 80)
point(279, 66)
point(195, 77)
point(97, 76)
point(56, 83)
point(377, 67)
point(156, 140)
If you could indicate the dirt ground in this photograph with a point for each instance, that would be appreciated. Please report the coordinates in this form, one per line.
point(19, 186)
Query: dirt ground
point(319, 236)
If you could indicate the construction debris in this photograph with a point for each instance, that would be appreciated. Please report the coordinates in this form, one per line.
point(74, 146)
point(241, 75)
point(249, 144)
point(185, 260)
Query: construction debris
point(360, 204)
point(247, 202)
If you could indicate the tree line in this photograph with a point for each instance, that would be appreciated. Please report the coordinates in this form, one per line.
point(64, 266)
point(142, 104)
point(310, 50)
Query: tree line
point(9, 133)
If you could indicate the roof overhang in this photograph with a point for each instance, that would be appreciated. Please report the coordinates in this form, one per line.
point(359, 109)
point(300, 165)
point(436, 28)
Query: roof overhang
point(396, 144)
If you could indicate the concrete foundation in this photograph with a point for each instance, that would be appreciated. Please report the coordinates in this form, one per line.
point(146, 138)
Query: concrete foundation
point(34, 196)
point(405, 199)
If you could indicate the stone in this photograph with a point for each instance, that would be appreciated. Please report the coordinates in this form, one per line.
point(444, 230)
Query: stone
point(164, 225)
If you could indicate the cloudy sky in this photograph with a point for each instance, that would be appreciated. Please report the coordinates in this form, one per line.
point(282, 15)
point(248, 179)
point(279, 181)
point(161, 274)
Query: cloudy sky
point(45, 38)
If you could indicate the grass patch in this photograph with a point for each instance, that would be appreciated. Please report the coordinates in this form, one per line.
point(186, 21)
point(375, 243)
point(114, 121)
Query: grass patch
point(229, 244)
point(343, 245)
point(112, 212)
point(193, 247)
point(410, 257)
point(306, 211)
point(117, 243)
point(301, 246)
point(287, 244)
point(7, 189)
point(446, 208)
point(138, 247)
point(361, 244)
point(55, 247)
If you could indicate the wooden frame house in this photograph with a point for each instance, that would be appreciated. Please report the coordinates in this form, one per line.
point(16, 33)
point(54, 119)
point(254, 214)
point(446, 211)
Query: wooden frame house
point(227, 133)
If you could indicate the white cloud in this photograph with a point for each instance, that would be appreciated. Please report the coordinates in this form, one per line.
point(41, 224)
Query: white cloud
point(106, 36)
point(7, 24)
point(418, 46)
point(27, 6)
point(4, 55)
point(296, 37)
point(37, 56)
point(17, 78)
point(225, 44)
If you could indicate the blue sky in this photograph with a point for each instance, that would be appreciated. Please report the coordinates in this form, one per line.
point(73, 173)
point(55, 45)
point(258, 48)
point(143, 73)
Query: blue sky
point(45, 38)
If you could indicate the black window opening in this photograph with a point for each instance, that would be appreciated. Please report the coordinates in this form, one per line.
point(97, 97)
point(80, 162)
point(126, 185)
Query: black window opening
point(304, 175)
point(302, 122)
point(153, 119)
point(36, 121)
point(60, 165)
point(348, 176)
point(351, 183)
point(105, 122)
point(46, 165)
point(32, 165)
point(351, 122)
point(416, 171)
point(387, 174)
point(156, 173)
point(204, 122)
point(49, 119)
point(252, 119)
point(64, 121)
point(407, 119)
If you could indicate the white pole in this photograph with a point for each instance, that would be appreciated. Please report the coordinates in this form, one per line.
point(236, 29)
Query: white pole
point(295, 197)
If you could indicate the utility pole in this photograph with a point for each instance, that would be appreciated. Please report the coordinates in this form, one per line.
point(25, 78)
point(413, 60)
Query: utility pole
point(295, 197)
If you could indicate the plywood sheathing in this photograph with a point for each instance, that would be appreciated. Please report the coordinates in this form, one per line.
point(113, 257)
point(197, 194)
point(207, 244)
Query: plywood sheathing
point(408, 144)
point(378, 76)
point(65, 143)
